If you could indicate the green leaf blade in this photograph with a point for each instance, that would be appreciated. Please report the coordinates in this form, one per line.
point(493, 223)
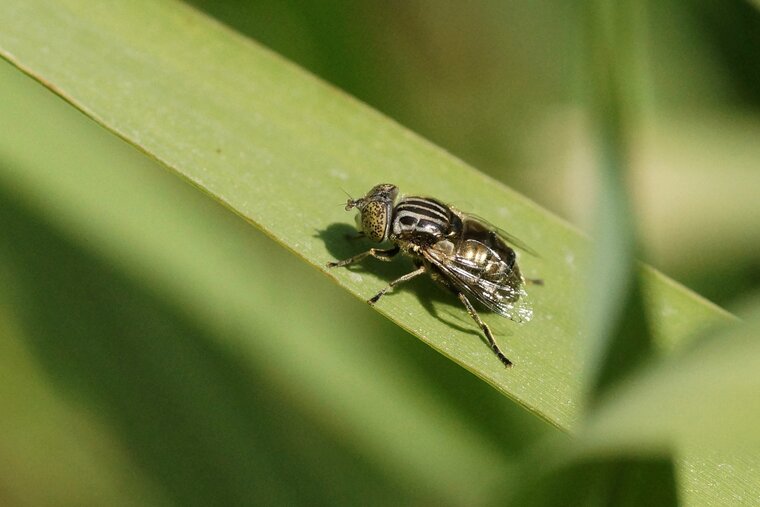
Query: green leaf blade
point(276, 145)
point(349, 376)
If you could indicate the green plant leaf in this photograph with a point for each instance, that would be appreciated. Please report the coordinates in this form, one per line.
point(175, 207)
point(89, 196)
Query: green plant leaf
point(358, 382)
point(619, 337)
point(47, 440)
point(601, 482)
point(705, 396)
point(701, 405)
point(276, 146)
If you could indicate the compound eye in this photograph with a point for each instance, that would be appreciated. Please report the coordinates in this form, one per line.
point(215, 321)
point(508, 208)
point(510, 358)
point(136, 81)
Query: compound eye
point(375, 221)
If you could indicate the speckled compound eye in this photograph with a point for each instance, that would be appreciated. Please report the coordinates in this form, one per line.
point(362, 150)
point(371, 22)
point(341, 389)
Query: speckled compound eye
point(375, 220)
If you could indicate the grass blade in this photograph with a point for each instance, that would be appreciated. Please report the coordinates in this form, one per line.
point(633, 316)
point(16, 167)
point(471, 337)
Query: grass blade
point(351, 377)
point(275, 145)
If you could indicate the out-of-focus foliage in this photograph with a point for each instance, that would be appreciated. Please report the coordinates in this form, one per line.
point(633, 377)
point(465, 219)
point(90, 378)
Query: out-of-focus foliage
point(147, 336)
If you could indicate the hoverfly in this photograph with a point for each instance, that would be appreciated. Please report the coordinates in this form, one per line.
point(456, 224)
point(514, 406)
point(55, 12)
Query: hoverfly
point(461, 252)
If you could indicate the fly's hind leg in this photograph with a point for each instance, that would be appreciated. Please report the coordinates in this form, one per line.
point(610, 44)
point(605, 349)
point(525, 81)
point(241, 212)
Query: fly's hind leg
point(485, 328)
point(383, 255)
point(406, 277)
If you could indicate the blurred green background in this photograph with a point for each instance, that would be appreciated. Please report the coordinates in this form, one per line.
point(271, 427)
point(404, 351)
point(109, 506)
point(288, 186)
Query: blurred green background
point(122, 383)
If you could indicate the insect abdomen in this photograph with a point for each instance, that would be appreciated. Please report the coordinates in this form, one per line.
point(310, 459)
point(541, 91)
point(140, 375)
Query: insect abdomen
point(417, 215)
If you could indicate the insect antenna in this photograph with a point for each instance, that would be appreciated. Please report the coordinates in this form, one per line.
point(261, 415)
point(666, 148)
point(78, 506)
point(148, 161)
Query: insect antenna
point(351, 203)
point(347, 194)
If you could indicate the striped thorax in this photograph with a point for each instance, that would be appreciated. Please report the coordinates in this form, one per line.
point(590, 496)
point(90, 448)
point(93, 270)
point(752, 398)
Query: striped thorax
point(421, 216)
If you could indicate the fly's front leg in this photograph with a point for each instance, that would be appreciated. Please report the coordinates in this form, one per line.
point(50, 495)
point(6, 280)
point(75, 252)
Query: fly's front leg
point(485, 328)
point(383, 255)
point(406, 277)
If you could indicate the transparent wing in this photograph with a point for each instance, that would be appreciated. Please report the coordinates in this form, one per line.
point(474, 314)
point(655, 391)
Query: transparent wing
point(496, 294)
point(507, 237)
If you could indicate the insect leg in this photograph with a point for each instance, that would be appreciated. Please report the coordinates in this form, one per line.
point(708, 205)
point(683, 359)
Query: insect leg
point(485, 328)
point(383, 255)
point(534, 281)
point(406, 277)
